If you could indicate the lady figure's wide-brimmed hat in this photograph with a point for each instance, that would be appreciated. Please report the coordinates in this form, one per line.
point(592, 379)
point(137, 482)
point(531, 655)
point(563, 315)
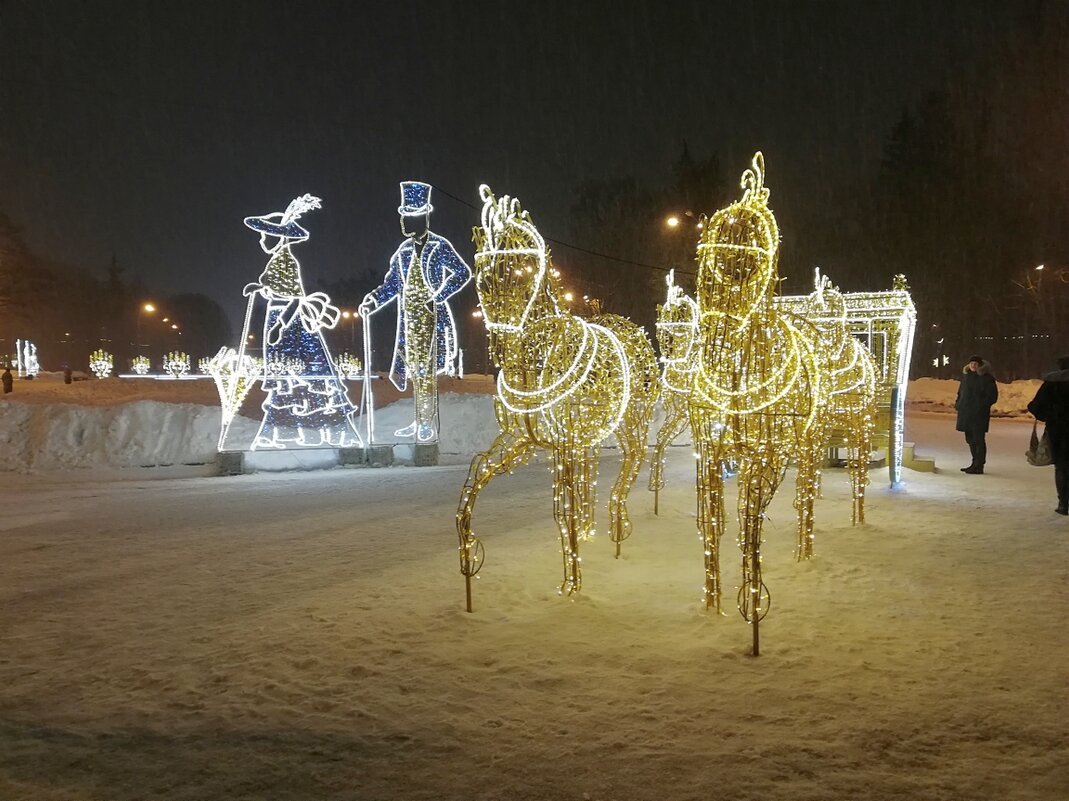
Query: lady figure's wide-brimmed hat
point(284, 224)
point(415, 199)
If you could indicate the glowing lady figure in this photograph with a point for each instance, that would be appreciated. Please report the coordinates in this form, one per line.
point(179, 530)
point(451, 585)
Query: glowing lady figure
point(306, 404)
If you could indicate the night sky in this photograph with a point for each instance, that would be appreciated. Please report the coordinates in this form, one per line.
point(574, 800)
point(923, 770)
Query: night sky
point(149, 130)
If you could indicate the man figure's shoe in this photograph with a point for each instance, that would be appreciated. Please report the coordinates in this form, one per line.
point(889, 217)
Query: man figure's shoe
point(1062, 509)
point(425, 434)
point(407, 431)
point(967, 469)
point(976, 470)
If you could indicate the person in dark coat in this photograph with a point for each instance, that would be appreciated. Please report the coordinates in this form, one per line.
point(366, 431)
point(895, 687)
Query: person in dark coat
point(7, 379)
point(1051, 406)
point(977, 393)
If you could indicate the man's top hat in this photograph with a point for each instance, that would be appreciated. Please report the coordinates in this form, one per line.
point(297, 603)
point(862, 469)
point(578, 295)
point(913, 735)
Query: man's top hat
point(415, 199)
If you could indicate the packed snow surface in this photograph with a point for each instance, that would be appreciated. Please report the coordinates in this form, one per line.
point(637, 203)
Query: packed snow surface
point(303, 636)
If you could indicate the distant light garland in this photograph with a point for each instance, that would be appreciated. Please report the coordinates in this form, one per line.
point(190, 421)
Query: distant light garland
point(349, 365)
point(140, 365)
point(26, 358)
point(176, 363)
point(101, 363)
point(564, 384)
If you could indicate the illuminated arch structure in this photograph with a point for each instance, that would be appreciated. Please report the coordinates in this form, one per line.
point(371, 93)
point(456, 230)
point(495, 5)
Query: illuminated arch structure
point(564, 384)
point(757, 390)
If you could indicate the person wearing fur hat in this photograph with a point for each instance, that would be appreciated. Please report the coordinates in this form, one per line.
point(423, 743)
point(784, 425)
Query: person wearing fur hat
point(977, 393)
point(1051, 406)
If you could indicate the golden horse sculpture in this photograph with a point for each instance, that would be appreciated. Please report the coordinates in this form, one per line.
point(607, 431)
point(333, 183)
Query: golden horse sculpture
point(677, 332)
point(564, 384)
point(757, 389)
point(848, 413)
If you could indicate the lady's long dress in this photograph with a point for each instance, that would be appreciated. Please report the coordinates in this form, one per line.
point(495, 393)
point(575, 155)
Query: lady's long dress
point(306, 403)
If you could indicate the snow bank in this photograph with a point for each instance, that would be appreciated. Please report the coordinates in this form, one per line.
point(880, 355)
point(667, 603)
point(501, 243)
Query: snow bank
point(143, 433)
point(112, 426)
point(938, 395)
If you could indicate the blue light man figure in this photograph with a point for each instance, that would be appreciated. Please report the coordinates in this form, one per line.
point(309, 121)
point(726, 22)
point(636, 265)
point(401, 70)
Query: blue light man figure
point(424, 273)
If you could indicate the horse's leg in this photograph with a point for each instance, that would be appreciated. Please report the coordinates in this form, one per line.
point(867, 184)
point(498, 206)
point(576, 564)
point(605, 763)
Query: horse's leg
point(631, 435)
point(758, 480)
point(587, 490)
point(507, 452)
point(675, 421)
point(806, 488)
point(710, 490)
point(568, 511)
point(861, 435)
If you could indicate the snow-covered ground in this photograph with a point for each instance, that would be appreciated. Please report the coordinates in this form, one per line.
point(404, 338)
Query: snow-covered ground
point(302, 636)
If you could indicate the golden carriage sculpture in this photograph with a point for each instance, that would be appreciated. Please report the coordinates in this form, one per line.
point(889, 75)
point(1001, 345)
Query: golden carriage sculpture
point(885, 322)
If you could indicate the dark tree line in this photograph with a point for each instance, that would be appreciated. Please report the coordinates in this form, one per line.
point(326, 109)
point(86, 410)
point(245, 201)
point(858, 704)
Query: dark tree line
point(69, 312)
point(970, 196)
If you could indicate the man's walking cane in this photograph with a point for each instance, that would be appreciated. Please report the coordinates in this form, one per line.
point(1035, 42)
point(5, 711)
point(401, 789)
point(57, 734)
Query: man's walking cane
point(366, 398)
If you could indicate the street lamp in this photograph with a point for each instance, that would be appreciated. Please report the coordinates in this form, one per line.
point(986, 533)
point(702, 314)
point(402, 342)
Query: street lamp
point(672, 221)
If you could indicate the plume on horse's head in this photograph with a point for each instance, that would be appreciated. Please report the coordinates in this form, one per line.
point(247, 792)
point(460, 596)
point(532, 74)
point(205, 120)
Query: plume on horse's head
point(505, 225)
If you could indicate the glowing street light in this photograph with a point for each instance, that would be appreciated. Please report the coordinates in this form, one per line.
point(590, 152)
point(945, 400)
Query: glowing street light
point(148, 308)
point(672, 221)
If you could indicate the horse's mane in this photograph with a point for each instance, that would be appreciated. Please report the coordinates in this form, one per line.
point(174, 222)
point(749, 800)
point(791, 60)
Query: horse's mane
point(507, 225)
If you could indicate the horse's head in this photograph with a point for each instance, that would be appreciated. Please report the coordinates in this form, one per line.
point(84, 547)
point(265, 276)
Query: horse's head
point(677, 327)
point(510, 262)
point(825, 308)
point(738, 249)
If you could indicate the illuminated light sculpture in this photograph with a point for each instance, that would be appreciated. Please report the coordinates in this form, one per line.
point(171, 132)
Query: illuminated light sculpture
point(306, 404)
point(425, 344)
point(140, 365)
point(176, 364)
point(885, 322)
point(234, 376)
point(756, 392)
point(26, 358)
point(349, 365)
point(565, 383)
point(848, 413)
point(677, 333)
point(204, 365)
point(101, 363)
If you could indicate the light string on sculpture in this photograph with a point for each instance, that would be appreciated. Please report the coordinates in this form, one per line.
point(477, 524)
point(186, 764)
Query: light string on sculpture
point(305, 404)
point(424, 273)
point(848, 403)
point(140, 365)
point(677, 333)
point(757, 389)
point(885, 322)
point(564, 384)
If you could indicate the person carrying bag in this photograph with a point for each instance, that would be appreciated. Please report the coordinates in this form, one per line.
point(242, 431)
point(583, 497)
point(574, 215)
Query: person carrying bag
point(1051, 406)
